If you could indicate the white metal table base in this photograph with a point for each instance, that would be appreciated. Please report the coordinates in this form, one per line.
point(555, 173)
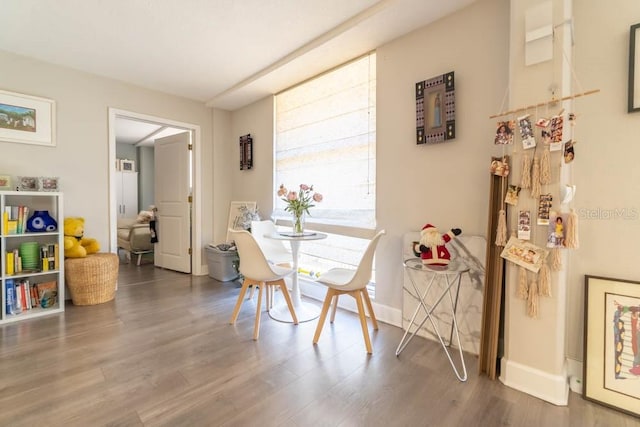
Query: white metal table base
point(304, 311)
point(429, 311)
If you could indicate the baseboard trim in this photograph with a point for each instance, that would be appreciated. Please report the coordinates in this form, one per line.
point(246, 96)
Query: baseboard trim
point(550, 388)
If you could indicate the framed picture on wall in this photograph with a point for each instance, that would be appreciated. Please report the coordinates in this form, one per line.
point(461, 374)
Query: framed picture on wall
point(436, 109)
point(27, 119)
point(127, 165)
point(611, 367)
point(634, 69)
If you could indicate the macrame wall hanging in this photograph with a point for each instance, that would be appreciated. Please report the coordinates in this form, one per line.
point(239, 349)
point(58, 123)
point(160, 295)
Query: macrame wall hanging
point(548, 146)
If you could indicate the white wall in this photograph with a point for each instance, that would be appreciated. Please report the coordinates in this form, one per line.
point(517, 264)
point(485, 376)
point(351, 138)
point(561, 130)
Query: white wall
point(80, 158)
point(444, 184)
point(606, 169)
point(603, 171)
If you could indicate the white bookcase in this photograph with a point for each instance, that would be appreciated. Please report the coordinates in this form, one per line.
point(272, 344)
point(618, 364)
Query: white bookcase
point(35, 201)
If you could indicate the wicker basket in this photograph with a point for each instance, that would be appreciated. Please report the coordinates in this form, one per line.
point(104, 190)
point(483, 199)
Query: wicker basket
point(92, 280)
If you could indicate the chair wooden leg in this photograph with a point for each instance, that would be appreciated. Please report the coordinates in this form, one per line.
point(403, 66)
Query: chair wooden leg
point(243, 291)
point(253, 289)
point(323, 314)
point(367, 300)
point(256, 327)
point(287, 297)
point(334, 308)
point(363, 320)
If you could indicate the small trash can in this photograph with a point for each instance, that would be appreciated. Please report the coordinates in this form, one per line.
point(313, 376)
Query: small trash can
point(220, 259)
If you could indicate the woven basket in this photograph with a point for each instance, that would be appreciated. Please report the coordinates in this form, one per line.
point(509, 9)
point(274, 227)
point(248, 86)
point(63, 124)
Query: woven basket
point(92, 280)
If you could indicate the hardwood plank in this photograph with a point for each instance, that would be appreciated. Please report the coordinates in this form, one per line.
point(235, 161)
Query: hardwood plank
point(163, 353)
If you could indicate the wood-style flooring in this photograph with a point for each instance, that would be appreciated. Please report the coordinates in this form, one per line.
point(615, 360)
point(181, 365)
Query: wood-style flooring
point(163, 354)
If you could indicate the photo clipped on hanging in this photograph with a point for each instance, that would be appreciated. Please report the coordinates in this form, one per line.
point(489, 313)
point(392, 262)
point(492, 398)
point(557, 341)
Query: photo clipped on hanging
point(504, 132)
point(569, 152)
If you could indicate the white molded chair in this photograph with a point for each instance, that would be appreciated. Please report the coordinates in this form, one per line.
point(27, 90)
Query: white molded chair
point(258, 272)
point(275, 251)
point(353, 282)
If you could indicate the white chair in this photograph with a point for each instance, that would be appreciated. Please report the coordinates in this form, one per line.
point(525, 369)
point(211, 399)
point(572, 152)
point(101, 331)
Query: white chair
point(275, 251)
point(258, 272)
point(353, 282)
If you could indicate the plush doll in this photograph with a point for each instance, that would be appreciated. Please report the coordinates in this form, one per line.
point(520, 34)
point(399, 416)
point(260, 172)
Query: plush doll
point(75, 244)
point(431, 247)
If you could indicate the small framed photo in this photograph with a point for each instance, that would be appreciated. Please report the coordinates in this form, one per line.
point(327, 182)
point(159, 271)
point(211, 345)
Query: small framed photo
point(49, 183)
point(611, 366)
point(128, 165)
point(5, 182)
point(27, 183)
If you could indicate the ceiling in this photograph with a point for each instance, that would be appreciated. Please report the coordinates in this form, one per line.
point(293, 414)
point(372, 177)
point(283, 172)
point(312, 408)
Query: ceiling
point(141, 133)
point(225, 53)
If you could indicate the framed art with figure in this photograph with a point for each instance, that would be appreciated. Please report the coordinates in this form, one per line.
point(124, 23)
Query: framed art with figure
point(435, 109)
point(611, 368)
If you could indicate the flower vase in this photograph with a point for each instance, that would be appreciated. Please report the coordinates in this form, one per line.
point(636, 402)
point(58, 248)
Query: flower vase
point(41, 221)
point(298, 223)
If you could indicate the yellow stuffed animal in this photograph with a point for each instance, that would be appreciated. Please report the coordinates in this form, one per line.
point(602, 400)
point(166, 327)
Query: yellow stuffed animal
point(75, 244)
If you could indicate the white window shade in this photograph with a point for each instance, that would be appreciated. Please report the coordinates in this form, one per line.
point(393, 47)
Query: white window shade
point(325, 137)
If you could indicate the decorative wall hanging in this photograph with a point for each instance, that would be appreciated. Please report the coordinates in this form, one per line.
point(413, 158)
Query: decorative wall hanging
point(611, 333)
point(246, 152)
point(634, 67)
point(435, 109)
point(27, 119)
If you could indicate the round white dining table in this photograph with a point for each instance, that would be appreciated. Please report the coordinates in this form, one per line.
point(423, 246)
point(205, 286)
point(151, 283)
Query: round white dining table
point(304, 311)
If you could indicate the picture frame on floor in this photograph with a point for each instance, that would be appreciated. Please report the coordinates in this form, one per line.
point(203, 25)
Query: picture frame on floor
point(611, 364)
point(240, 215)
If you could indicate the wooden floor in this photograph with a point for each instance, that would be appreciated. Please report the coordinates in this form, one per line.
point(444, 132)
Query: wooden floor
point(164, 354)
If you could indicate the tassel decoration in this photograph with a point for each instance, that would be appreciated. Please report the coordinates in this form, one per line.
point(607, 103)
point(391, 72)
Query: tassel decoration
point(532, 300)
point(544, 276)
point(535, 179)
point(545, 167)
point(571, 241)
point(501, 232)
point(523, 286)
point(556, 261)
point(525, 180)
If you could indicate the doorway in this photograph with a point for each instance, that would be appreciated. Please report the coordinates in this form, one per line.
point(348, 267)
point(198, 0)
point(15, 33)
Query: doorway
point(159, 127)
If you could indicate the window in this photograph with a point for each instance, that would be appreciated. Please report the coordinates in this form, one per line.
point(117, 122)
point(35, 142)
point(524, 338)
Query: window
point(326, 137)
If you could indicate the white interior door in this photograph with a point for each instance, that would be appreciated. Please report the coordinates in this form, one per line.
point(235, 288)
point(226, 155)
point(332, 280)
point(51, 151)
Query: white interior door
point(172, 197)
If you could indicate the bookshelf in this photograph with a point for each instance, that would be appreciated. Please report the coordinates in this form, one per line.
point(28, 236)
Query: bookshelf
point(40, 286)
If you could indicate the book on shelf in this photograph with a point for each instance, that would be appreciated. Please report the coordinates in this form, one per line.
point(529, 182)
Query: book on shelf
point(14, 219)
point(9, 264)
point(10, 297)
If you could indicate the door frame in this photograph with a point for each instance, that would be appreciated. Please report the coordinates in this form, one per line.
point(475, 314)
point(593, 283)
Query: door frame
point(196, 205)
